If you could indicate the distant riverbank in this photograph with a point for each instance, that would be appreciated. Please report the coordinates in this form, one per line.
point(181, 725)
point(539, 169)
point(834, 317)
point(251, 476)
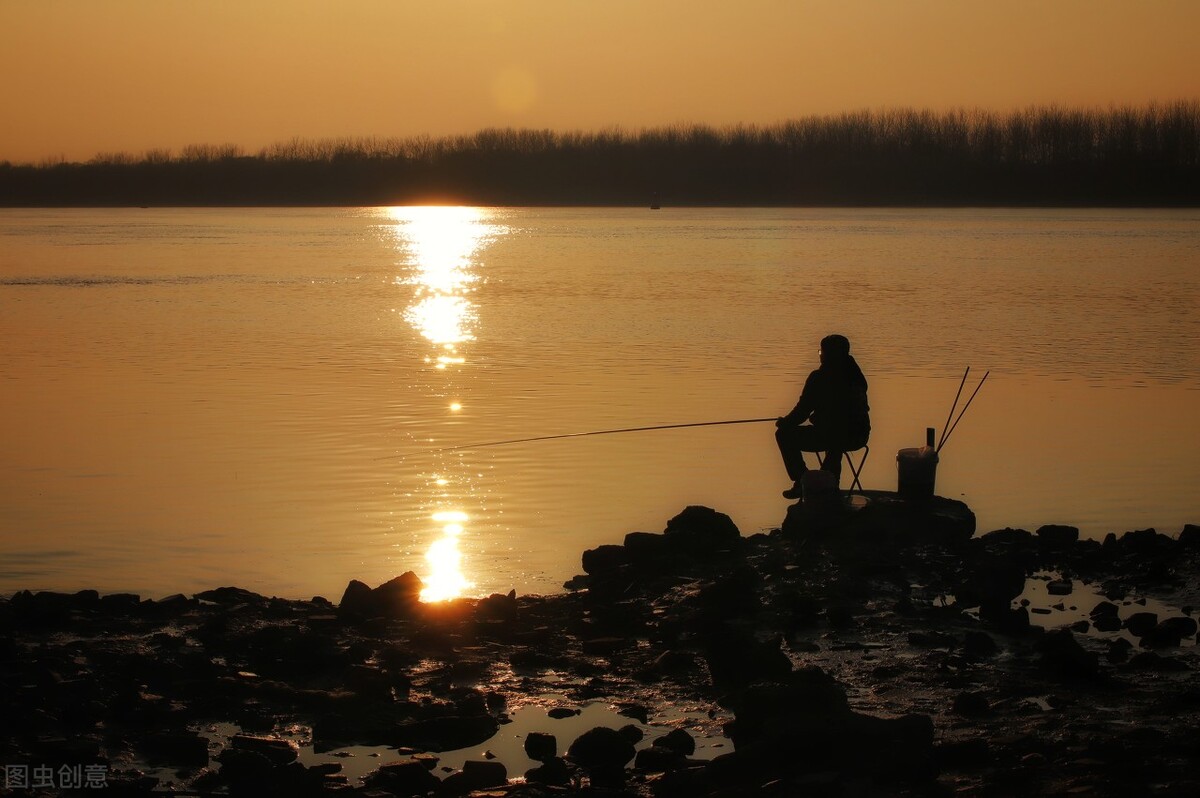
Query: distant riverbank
point(1047, 156)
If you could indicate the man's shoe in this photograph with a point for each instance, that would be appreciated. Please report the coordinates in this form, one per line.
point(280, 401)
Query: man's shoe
point(794, 492)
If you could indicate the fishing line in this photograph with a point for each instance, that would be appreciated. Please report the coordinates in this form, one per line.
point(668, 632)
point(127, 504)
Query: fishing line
point(595, 432)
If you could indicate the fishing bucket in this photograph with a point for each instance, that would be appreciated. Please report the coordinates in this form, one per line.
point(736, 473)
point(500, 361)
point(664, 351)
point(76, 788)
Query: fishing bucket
point(916, 472)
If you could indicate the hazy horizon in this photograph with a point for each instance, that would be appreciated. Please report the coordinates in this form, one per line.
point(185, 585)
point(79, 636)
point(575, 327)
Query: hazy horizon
point(136, 75)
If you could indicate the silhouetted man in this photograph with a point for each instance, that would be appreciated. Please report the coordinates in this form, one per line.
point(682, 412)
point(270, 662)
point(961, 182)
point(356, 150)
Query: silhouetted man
point(834, 400)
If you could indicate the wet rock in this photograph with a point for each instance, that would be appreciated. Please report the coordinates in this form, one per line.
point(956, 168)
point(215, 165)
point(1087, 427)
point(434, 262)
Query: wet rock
point(601, 748)
point(805, 726)
point(356, 600)
point(993, 582)
point(1180, 625)
point(230, 596)
point(277, 752)
point(1005, 619)
point(405, 777)
point(736, 659)
point(645, 549)
point(1057, 537)
point(969, 755)
point(448, 733)
point(1008, 538)
point(1141, 624)
point(631, 733)
point(553, 772)
point(1118, 650)
point(677, 740)
point(701, 530)
point(604, 560)
point(175, 748)
point(1063, 657)
point(657, 759)
point(1153, 661)
point(398, 598)
point(541, 747)
point(1169, 633)
point(498, 607)
point(971, 705)
point(475, 775)
point(979, 645)
point(1060, 587)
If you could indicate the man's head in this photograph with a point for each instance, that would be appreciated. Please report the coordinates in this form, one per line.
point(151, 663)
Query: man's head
point(834, 348)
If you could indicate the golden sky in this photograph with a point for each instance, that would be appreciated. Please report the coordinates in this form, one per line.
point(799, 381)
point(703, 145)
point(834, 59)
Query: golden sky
point(78, 77)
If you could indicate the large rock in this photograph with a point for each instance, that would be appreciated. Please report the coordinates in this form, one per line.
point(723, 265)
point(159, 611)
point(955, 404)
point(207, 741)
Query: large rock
point(398, 598)
point(702, 530)
point(448, 733)
point(1057, 536)
point(1063, 657)
point(885, 519)
point(601, 748)
point(804, 725)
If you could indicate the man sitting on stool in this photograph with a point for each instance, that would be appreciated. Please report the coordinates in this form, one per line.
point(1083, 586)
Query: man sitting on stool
point(834, 399)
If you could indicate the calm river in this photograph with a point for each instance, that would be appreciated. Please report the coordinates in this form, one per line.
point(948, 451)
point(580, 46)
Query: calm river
point(192, 398)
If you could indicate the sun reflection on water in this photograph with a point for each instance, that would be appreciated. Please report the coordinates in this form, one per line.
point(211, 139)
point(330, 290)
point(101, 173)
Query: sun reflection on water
point(441, 246)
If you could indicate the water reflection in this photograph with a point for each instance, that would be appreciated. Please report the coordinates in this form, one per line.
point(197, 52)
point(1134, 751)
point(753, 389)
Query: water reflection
point(441, 247)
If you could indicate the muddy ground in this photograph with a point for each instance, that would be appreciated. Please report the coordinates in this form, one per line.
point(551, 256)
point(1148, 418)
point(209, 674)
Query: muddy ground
point(882, 649)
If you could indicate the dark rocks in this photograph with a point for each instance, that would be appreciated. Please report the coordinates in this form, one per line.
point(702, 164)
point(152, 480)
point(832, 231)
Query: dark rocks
point(601, 748)
point(1190, 536)
point(604, 560)
point(406, 777)
point(398, 598)
point(230, 596)
point(176, 748)
point(475, 775)
point(1064, 658)
point(677, 740)
point(979, 645)
point(541, 747)
point(1169, 633)
point(447, 733)
point(277, 752)
point(1057, 537)
point(1060, 587)
point(736, 659)
point(703, 531)
point(971, 705)
point(805, 726)
point(1141, 624)
point(498, 607)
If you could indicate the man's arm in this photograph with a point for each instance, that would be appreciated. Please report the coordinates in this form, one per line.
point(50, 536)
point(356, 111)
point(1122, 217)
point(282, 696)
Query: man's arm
point(803, 409)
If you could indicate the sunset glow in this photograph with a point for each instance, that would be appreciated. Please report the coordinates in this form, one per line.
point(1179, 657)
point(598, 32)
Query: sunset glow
point(88, 78)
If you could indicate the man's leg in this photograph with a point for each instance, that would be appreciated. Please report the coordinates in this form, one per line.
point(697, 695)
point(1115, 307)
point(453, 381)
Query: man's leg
point(833, 464)
point(793, 442)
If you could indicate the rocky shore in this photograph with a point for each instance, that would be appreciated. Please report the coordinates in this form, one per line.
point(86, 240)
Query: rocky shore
point(880, 649)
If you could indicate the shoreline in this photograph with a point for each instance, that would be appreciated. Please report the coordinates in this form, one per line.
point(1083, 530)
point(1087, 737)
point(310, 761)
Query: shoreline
point(883, 651)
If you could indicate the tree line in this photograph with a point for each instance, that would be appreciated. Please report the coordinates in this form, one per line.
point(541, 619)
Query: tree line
point(1146, 155)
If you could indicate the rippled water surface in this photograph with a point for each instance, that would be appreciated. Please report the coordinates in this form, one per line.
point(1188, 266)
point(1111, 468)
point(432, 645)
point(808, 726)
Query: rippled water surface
point(193, 398)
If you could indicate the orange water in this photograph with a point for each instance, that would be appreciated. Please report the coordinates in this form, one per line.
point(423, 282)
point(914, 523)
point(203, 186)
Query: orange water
point(193, 398)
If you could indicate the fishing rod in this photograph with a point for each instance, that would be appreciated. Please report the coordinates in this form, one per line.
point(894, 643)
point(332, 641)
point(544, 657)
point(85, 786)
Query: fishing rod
point(949, 416)
point(946, 437)
point(601, 432)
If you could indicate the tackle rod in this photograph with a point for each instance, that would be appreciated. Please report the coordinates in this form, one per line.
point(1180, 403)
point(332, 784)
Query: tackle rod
point(950, 416)
point(603, 432)
point(946, 437)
